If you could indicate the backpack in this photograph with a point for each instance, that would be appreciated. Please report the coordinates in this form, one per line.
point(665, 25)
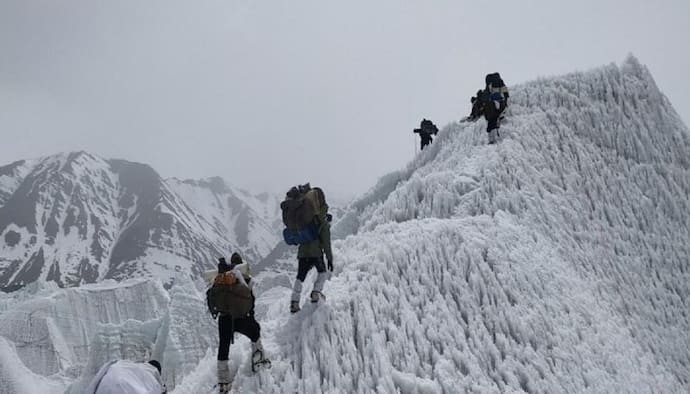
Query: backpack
point(483, 97)
point(494, 80)
point(301, 208)
point(428, 127)
point(229, 296)
point(496, 87)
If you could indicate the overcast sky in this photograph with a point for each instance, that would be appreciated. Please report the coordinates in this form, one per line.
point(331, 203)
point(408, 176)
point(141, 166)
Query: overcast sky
point(271, 93)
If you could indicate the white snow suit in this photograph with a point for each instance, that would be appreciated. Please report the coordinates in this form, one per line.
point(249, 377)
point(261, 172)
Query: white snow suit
point(126, 377)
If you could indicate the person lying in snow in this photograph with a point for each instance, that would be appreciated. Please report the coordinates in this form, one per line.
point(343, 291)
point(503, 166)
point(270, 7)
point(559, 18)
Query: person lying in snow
point(128, 377)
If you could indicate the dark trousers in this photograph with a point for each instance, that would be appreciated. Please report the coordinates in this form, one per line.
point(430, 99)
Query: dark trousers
point(491, 123)
point(492, 114)
point(307, 263)
point(227, 326)
point(426, 140)
point(477, 110)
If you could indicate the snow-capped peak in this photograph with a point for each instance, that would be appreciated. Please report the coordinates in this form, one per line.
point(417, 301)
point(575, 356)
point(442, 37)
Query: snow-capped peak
point(76, 218)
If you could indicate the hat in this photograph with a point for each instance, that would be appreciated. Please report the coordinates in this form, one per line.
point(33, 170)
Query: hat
point(222, 265)
point(235, 259)
point(156, 364)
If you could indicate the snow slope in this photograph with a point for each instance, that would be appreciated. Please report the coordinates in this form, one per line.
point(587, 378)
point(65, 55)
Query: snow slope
point(555, 261)
point(251, 221)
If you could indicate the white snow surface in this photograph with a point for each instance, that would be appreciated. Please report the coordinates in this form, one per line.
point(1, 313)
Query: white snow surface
point(223, 214)
point(61, 337)
point(556, 261)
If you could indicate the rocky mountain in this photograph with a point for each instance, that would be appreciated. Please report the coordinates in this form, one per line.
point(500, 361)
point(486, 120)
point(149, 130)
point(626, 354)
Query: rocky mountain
point(77, 218)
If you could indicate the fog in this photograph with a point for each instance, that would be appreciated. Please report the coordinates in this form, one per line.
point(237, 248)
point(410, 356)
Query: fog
point(269, 94)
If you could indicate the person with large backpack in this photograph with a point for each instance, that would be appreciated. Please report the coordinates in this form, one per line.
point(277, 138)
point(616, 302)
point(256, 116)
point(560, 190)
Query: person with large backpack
point(231, 299)
point(425, 131)
point(495, 102)
point(307, 221)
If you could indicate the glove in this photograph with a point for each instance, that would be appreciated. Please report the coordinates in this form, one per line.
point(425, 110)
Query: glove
point(330, 265)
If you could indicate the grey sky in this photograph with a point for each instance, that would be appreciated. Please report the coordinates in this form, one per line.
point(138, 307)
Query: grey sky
point(272, 93)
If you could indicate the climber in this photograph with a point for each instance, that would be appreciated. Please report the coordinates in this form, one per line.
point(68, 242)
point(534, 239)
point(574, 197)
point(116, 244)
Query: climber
point(425, 130)
point(495, 102)
point(231, 299)
point(307, 221)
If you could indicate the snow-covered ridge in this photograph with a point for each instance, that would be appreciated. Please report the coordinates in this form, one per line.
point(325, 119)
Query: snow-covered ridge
point(76, 218)
point(558, 260)
point(618, 110)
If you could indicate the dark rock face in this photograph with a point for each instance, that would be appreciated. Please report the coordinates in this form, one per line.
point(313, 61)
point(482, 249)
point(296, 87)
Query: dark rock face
point(31, 271)
point(10, 171)
point(7, 269)
point(97, 246)
point(141, 187)
point(20, 207)
point(90, 219)
point(12, 238)
point(54, 274)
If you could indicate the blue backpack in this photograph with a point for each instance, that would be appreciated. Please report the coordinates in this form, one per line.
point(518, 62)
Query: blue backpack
point(496, 87)
point(302, 235)
point(301, 207)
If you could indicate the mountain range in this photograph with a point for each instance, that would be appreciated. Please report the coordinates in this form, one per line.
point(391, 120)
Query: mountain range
point(77, 218)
